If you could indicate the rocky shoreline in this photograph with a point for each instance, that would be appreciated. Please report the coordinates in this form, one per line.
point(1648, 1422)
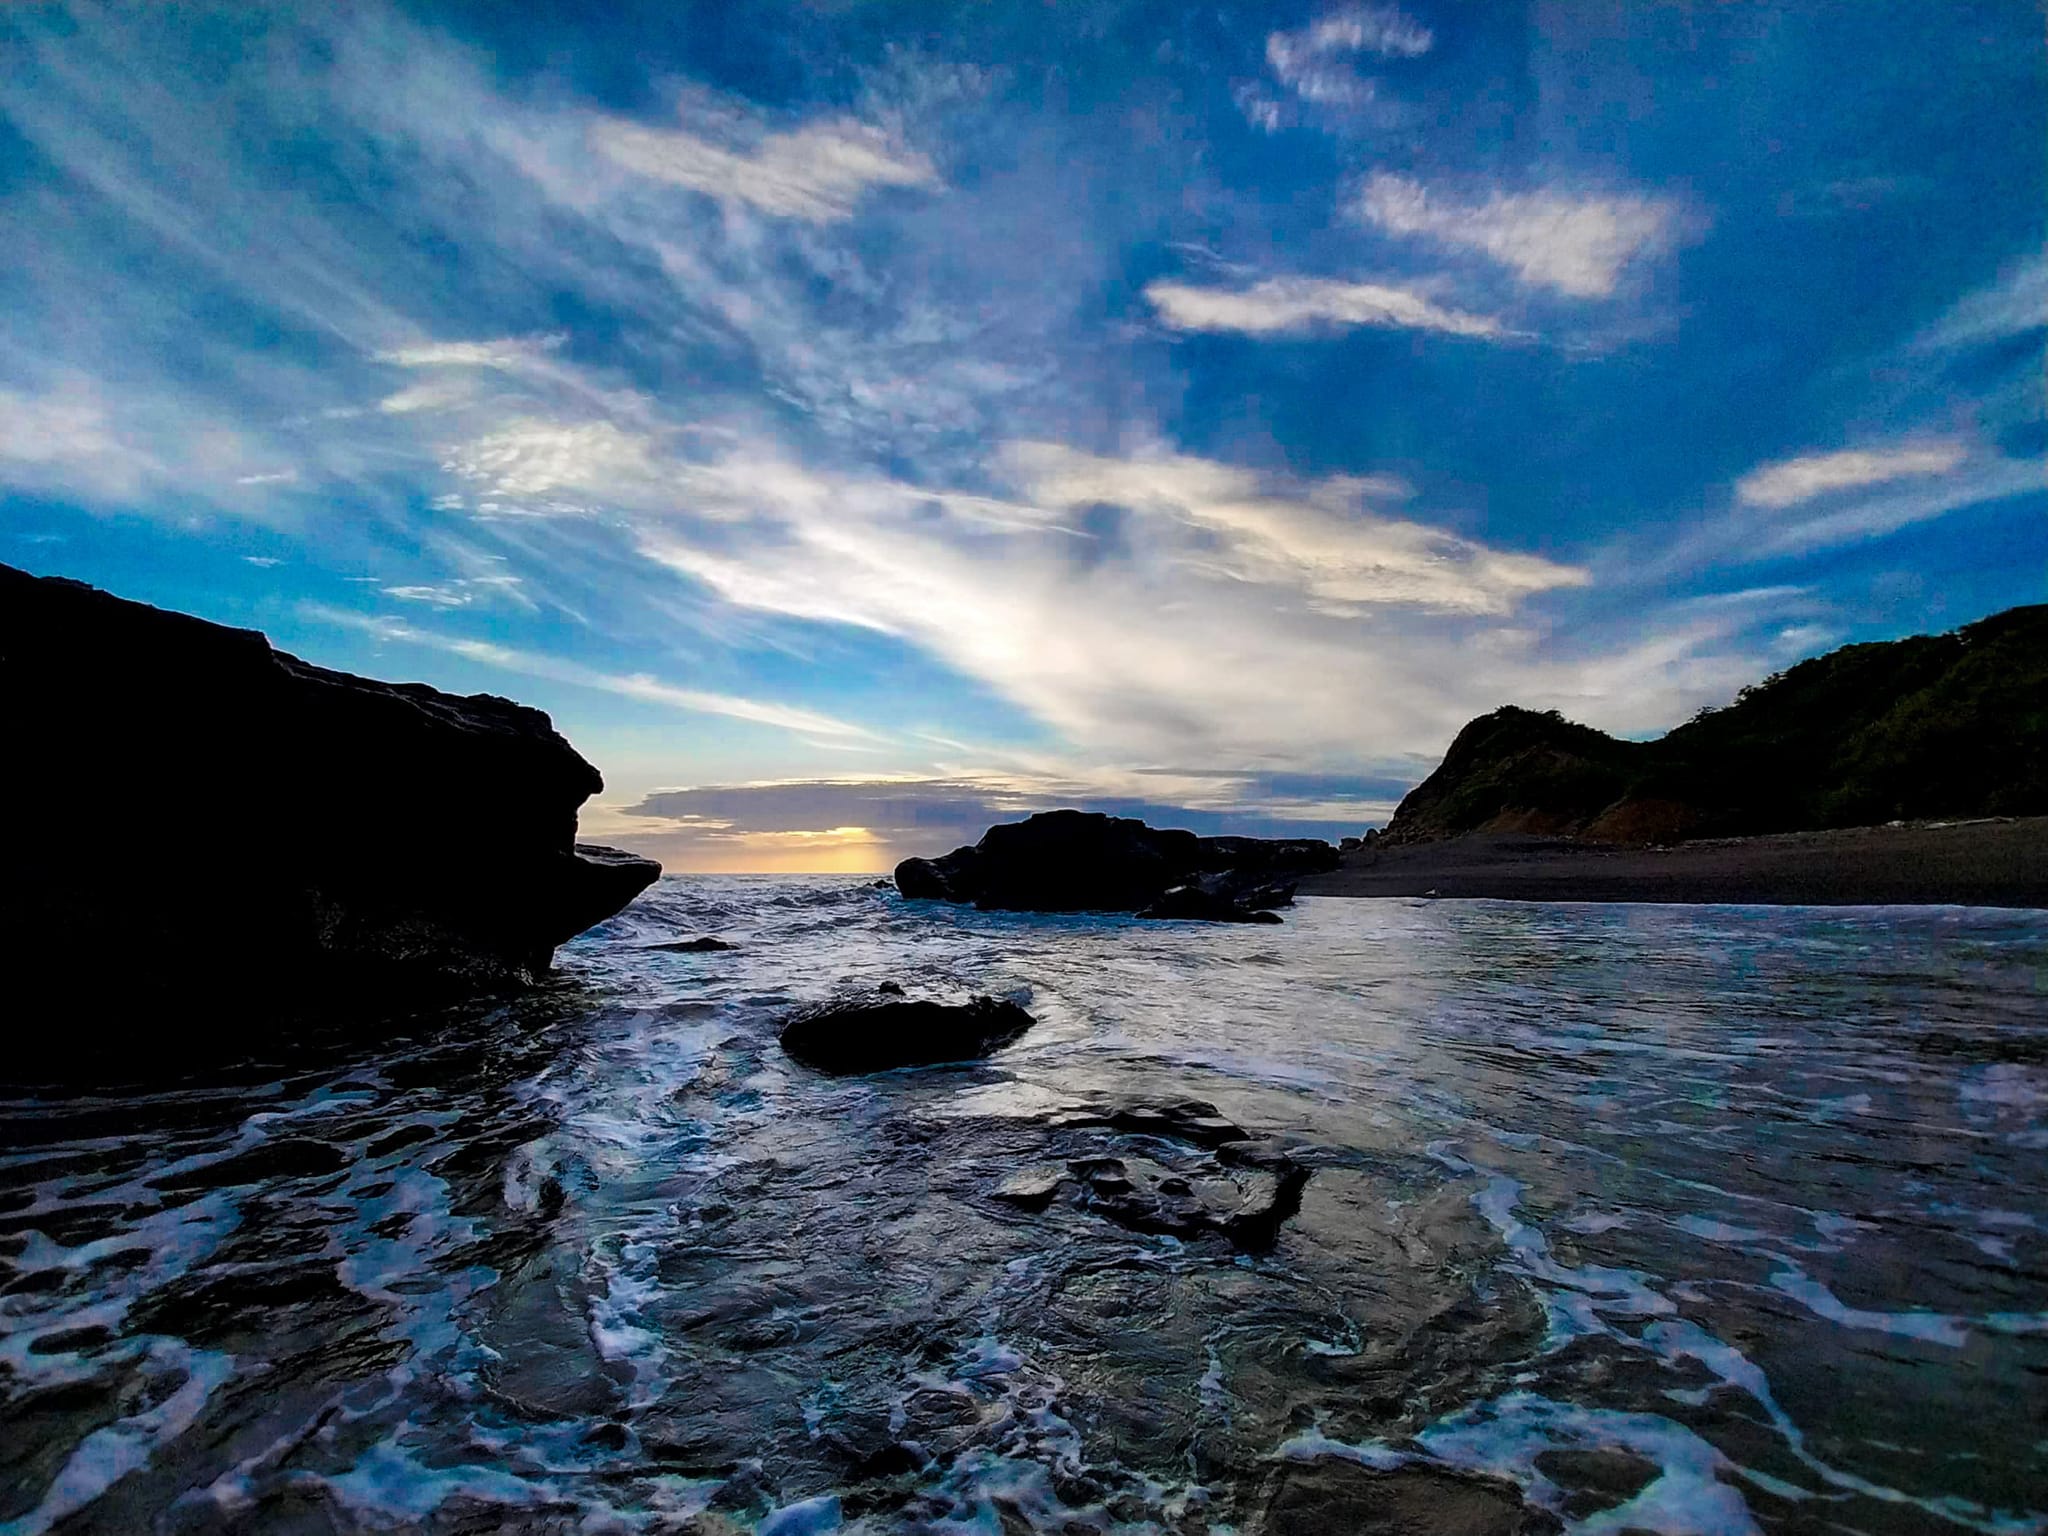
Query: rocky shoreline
point(247, 830)
point(1999, 862)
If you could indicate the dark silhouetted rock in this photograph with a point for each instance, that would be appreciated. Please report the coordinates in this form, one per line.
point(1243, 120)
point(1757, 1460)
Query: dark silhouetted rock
point(1082, 861)
point(196, 814)
point(1314, 1498)
point(1205, 903)
point(891, 989)
point(873, 1035)
point(703, 946)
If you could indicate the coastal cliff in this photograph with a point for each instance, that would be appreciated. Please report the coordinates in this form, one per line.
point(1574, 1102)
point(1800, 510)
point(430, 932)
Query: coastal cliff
point(195, 813)
point(1934, 726)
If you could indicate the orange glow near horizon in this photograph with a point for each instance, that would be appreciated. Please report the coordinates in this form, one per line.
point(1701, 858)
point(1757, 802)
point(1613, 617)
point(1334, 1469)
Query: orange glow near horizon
point(827, 851)
point(850, 859)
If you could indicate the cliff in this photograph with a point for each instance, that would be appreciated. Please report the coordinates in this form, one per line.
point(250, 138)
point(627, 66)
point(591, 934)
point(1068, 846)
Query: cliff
point(1935, 726)
point(196, 813)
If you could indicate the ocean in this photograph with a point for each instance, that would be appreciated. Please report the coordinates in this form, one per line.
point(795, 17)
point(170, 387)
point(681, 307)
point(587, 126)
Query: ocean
point(1683, 1219)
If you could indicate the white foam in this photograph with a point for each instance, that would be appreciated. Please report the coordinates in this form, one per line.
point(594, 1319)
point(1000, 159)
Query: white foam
point(110, 1453)
point(1929, 1327)
point(1687, 1497)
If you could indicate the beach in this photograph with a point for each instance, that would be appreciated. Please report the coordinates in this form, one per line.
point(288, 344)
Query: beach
point(1995, 862)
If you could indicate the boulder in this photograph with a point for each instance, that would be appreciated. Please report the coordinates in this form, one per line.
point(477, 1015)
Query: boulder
point(195, 814)
point(881, 1034)
point(1083, 861)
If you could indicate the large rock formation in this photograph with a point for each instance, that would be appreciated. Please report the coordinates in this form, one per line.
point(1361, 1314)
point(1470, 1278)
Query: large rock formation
point(1083, 861)
point(196, 814)
point(1935, 726)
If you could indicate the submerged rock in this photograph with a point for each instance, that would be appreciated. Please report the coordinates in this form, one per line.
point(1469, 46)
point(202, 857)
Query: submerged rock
point(1179, 1170)
point(1082, 861)
point(881, 1035)
point(299, 832)
point(703, 946)
point(1312, 1498)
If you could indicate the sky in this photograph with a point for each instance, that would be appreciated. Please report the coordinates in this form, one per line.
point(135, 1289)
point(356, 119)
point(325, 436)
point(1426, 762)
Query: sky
point(860, 421)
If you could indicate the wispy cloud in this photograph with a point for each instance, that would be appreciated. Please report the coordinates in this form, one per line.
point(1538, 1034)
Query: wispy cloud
point(1320, 538)
point(637, 685)
point(1576, 243)
point(512, 353)
point(1791, 481)
point(1314, 61)
point(817, 173)
point(66, 435)
point(1281, 306)
point(1875, 509)
point(2016, 303)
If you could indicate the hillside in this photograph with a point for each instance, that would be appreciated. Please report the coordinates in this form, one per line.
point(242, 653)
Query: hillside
point(1934, 726)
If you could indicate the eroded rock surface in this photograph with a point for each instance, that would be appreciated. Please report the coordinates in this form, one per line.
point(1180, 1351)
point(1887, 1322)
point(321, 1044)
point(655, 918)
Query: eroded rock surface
point(1180, 1170)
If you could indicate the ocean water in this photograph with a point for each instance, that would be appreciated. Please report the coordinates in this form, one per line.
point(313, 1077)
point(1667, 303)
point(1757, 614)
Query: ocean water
point(1752, 1201)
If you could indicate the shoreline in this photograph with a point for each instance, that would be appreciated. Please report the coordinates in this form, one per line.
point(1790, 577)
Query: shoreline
point(1995, 862)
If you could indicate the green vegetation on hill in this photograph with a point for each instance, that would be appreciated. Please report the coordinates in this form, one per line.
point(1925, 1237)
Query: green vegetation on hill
point(1932, 726)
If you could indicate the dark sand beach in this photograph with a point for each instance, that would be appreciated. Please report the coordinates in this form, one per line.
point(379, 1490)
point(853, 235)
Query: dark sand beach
point(2000, 862)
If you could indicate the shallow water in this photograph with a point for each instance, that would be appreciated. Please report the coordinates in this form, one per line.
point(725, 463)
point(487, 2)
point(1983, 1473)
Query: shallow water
point(1756, 1196)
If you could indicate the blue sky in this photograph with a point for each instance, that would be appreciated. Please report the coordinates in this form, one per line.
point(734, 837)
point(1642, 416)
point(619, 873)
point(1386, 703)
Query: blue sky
point(855, 422)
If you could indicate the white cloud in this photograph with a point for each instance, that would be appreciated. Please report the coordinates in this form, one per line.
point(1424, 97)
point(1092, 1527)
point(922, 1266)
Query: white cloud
point(1318, 539)
point(538, 458)
point(1372, 28)
point(1575, 243)
point(69, 434)
point(2015, 303)
point(1312, 62)
point(1260, 109)
point(1292, 305)
point(817, 173)
point(1152, 608)
point(1792, 481)
point(511, 353)
point(1892, 505)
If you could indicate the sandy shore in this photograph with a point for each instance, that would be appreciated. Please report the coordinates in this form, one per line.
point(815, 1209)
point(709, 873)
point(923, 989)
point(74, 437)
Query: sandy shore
point(1995, 863)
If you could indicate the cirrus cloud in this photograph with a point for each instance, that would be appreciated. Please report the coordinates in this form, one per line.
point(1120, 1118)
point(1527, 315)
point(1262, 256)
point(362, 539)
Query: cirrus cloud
point(1282, 306)
point(816, 173)
point(1791, 481)
point(1576, 243)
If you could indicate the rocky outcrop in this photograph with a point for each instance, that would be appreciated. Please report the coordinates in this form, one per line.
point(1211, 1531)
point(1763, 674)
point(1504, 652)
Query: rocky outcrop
point(1177, 1170)
point(194, 813)
point(886, 1032)
point(1934, 726)
point(1083, 861)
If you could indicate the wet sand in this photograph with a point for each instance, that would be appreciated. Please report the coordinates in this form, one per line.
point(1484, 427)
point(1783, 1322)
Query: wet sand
point(1993, 863)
